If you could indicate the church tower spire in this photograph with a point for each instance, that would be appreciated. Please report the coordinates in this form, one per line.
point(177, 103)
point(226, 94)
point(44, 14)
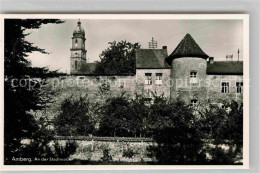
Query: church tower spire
point(78, 51)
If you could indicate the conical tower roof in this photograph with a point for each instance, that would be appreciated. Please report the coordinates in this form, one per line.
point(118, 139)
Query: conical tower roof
point(187, 48)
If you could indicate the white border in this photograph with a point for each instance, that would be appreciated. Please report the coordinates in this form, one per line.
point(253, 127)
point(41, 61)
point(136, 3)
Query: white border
point(244, 17)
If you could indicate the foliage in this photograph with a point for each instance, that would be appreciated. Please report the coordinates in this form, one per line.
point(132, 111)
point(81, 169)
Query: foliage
point(175, 130)
point(222, 156)
point(128, 153)
point(65, 151)
point(139, 112)
point(115, 117)
point(123, 117)
point(21, 99)
point(118, 58)
point(74, 118)
point(106, 155)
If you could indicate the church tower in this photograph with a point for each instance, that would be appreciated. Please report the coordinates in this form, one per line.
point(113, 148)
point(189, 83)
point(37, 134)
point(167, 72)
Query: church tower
point(78, 51)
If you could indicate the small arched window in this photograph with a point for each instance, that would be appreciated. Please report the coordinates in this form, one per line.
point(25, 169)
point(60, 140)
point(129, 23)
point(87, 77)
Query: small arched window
point(76, 64)
point(76, 43)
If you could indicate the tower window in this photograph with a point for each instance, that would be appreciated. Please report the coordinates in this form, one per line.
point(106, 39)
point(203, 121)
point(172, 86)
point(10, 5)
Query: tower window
point(76, 43)
point(148, 78)
point(193, 77)
point(76, 64)
point(158, 79)
point(239, 86)
point(224, 87)
point(193, 102)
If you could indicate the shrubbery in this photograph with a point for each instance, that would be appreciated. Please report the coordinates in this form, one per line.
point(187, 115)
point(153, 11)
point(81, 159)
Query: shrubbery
point(74, 118)
point(180, 131)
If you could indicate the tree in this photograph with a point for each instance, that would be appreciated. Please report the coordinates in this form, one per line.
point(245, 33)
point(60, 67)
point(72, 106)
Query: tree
point(175, 130)
point(74, 119)
point(223, 126)
point(139, 113)
point(19, 100)
point(115, 117)
point(118, 58)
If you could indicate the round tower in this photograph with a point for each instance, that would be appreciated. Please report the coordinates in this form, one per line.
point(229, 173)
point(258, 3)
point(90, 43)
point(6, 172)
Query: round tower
point(188, 73)
point(78, 51)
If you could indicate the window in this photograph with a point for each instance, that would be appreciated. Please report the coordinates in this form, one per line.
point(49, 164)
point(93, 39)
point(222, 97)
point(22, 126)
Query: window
point(193, 77)
point(97, 79)
point(122, 84)
point(224, 87)
point(158, 79)
point(76, 64)
point(239, 86)
point(81, 78)
point(76, 43)
point(148, 78)
point(193, 102)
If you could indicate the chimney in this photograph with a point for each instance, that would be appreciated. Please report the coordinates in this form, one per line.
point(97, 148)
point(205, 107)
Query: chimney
point(211, 60)
point(164, 47)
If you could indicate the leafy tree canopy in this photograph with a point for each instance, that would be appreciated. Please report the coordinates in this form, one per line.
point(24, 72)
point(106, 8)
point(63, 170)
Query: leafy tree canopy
point(74, 118)
point(118, 58)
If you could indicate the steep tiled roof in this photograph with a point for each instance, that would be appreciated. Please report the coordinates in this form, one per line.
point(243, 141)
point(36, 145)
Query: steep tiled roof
point(86, 69)
point(151, 58)
point(187, 48)
point(225, 68)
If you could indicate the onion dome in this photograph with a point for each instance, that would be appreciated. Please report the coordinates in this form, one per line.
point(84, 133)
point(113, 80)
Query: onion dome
point(187, 48)
point(79, 29)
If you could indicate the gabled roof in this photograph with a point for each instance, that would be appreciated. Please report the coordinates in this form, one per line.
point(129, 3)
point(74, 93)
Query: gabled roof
point(225, 68)
point(187, 48)
point(151, 59)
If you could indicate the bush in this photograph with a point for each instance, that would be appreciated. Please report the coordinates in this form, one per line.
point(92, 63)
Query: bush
point(175, 130)
point(65, 151)
point(106, 155)
point(128, 153)
point(123, 117)
point(74, 118)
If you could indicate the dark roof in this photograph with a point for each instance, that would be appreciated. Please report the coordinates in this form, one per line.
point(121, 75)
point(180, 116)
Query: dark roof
point(187, 48)
point(91, 67)
point(151, 58)
point(225, 68)
point(86, 69)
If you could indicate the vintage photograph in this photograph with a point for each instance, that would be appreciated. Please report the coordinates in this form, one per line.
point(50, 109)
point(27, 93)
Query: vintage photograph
point(125, 91)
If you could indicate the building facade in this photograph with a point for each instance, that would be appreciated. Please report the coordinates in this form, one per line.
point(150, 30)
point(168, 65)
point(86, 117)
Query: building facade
point(187, 73)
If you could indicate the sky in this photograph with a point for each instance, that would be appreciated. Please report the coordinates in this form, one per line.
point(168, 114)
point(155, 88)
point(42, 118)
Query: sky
point(217, 38)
